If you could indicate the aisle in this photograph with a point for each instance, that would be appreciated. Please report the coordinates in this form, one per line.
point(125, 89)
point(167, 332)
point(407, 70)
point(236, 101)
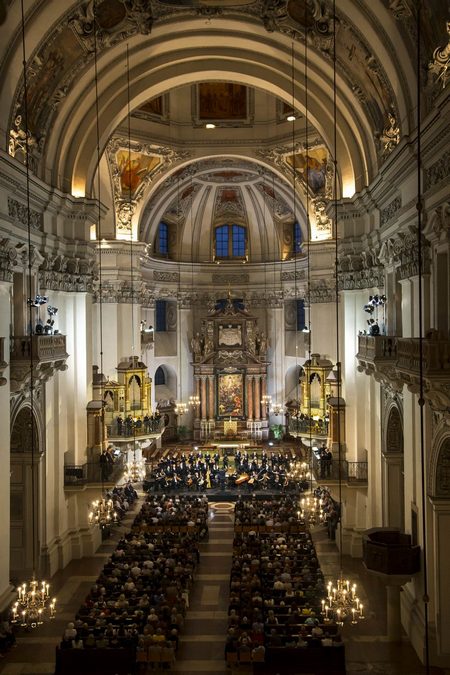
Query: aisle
point(35, 652)
point(202, 641)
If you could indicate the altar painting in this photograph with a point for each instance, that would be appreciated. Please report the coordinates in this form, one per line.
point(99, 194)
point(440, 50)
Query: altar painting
point(231, 394)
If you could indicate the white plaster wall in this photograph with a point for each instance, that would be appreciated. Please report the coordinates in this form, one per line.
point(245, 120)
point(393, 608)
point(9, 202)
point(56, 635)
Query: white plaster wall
point(4, 452)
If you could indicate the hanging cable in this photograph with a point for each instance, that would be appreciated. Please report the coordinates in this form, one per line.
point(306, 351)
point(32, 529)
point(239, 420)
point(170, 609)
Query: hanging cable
point(130, 205)
point(33, 597)
point(420, 254)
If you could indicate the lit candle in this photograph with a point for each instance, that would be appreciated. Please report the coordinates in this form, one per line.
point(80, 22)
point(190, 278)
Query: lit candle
point(353, 615)
point(326, 611)
point(360, 609)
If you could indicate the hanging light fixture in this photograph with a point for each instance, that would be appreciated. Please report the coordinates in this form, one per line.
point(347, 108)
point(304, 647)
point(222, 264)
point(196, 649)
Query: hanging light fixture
point(33, 604)
point(101, 511)
point(135, 469)
point(342, 602)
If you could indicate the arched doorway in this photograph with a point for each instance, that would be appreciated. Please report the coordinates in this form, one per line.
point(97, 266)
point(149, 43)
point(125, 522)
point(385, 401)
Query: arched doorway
point(393, 471)
point(25, 519)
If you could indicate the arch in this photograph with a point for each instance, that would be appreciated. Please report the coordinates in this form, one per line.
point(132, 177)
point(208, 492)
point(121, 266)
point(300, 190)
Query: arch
point(393, 487)
point(250, 58)
point(168, 390)
point(160, 376)
point(393, 441)
point(25, 469)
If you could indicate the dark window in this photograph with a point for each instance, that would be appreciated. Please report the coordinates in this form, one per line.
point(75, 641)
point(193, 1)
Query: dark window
point(238, 241)
point(222, 241)
point(230, 241)
point(297, 238)
point(301, 315)
point(160, 377)
point(163, 239)
point(160, 315)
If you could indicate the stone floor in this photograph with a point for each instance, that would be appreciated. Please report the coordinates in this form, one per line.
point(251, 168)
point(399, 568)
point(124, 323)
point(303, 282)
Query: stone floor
point(202, 640)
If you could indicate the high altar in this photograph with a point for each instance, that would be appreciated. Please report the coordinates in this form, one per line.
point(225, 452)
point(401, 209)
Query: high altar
point(230, 374)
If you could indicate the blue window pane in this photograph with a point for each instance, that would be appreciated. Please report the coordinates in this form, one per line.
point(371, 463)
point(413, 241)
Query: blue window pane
point(297, 238)
point(160, 377)
point(300, 314)
point(222, 241)
point(160, 316)
point(163, 239)
point(238, 241)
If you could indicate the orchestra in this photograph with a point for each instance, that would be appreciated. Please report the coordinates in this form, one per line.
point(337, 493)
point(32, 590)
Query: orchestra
point(203, 470)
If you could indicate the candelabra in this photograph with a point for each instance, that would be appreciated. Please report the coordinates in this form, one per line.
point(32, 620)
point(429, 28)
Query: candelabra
point(180, 408)
point(342, 603)
point(276, 409)
point(33, 603)
point(135, 471)
point(311, 510)
point(102, 513)
point(194, 400)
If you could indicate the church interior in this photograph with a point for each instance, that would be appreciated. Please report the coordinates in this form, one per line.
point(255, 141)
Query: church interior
point(224, 336)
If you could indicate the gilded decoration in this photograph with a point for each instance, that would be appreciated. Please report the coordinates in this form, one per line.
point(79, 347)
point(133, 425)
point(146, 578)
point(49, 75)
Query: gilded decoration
point(440, 65)
point(133, 166)
point(390, 136)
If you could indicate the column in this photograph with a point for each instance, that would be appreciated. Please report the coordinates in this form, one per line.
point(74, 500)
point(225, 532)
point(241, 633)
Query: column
point(394, 624)
point(250, 397)
point(257, 399)
point(5, 480)
point(197, 393)
point(203, 399)
point(263, 394)
point(211, 406)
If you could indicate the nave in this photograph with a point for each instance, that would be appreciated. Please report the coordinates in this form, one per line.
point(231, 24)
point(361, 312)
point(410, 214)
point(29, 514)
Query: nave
point(202, 639)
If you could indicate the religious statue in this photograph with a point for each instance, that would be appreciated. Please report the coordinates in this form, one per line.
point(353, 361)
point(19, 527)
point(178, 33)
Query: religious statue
point(198, 344)
point(209, 344)
point(261, 343)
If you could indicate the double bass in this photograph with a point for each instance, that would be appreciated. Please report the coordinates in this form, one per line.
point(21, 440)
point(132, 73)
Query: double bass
point(243, 478)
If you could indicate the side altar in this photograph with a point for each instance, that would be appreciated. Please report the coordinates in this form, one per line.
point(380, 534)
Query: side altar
point(230, 374)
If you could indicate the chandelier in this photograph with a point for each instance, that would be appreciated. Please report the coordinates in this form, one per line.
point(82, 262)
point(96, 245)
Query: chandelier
point(194, 400)
point(311, 510)
point(277, 409)
point(180, 408)
point(135, 471)
point(32, 604)
point(342, 603)
point(102, 513)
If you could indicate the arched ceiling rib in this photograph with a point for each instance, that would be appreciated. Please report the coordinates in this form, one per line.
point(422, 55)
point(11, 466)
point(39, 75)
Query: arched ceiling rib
point(264, 39)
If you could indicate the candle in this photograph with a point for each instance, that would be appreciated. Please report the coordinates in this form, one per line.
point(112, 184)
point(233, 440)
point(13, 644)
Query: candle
point(360, 609)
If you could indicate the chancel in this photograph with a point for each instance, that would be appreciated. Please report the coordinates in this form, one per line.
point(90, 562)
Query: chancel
point(224, 336)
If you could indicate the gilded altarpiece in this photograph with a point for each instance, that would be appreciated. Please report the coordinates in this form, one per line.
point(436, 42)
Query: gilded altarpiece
point(230, 373)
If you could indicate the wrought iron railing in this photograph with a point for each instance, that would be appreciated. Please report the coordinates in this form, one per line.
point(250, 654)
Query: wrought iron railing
point(335, 470)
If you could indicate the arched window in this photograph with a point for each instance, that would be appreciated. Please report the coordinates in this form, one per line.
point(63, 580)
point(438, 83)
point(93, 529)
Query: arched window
point(230, 241)
point(163, 239)
point(297, 238)
point(160, 376)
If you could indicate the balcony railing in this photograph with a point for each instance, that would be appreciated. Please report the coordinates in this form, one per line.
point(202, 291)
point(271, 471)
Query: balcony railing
point(47, 354)
point(297, 427)
point(140, 429)
point(404, 353)
point(45, 348)
point(77, 475)
point(347, 472)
